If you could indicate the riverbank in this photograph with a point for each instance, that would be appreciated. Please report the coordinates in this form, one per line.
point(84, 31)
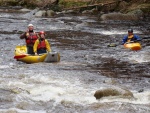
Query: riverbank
point(123, 6)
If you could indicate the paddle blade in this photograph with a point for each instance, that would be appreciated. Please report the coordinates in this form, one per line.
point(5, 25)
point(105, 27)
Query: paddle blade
point(112, 45)
point(19, 56)
point(148, 37)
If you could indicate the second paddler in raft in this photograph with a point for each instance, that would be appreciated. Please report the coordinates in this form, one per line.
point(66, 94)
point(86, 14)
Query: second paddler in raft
point(41, 45)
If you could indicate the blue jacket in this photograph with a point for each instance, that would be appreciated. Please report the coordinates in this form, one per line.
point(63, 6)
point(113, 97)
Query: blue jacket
point(135, 38)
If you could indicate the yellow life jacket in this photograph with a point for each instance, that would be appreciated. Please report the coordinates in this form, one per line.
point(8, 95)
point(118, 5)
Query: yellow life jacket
point(129, 38)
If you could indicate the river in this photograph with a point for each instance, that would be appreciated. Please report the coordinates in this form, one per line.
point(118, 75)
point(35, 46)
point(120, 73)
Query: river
point(87, 65)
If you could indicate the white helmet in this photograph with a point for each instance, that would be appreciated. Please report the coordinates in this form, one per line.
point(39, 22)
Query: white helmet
point(30, 25)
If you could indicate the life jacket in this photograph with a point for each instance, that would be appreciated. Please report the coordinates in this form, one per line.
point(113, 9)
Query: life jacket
point(31, 38)
point(41, 45)
point(130, 38)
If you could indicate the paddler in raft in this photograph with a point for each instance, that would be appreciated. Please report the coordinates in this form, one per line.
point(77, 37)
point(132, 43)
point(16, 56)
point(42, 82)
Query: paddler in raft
point(130, 37)
point(41, 45)
point(30, 37)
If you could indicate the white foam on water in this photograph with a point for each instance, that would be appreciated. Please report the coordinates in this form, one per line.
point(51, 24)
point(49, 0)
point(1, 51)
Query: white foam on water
point(62, 91)
point(60, 27)
point(142, 98)
point(4, 66)
point(74, 91)
point(15, 110)
point(139, 57)
point(112, 32)
point(56, 89)
point(47, 86)
point(11, 83)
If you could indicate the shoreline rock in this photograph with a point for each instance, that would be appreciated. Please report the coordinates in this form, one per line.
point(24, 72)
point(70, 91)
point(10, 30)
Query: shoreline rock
point(120, 16)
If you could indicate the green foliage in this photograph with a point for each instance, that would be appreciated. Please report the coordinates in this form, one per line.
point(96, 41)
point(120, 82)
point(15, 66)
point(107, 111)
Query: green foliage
point(28, 4)
point(8, 3)
point(70, 4)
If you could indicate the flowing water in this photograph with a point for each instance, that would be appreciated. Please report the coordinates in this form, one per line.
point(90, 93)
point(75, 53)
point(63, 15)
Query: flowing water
point(87, 65)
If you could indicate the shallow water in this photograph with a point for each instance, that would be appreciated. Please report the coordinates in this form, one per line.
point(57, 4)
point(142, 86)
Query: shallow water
point(87, 65)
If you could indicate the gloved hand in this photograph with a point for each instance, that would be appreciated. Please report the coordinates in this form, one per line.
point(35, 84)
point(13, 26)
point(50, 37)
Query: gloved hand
point(122, 43)
point(36, 54)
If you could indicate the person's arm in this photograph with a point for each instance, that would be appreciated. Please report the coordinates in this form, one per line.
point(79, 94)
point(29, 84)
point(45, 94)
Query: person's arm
point(48, 48)
point(124, 40)
point(137, 38)
point(35, 46)
point(23, 35)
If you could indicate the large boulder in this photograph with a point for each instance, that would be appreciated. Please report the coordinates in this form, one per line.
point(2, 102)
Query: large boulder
point(105, 92)
point(119, 16)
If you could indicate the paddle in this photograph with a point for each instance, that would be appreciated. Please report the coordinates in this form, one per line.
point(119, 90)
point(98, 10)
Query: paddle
point(148, 37)
point(19, 56)
point(114, 45)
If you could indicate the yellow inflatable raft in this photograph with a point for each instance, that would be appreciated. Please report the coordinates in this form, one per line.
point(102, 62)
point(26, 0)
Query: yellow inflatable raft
point(21, 55)
point(133, 46)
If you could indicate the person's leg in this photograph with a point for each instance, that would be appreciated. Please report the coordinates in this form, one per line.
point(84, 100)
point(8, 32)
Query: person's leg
point(40, 51)
point(30, 50)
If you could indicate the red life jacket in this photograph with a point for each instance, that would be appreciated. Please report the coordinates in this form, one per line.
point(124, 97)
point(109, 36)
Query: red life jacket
point(31, 38)
point(41, 45)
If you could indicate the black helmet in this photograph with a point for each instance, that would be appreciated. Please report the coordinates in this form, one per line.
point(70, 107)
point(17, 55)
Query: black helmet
point(130, 30)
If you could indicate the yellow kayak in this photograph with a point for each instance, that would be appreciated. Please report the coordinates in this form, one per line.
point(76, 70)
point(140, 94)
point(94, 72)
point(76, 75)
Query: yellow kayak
point(133, 46)
point(21, 55)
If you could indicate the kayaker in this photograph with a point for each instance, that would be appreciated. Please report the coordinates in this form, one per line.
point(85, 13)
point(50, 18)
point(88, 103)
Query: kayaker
point(130, 37)
point(41, 45)
point(30, 37)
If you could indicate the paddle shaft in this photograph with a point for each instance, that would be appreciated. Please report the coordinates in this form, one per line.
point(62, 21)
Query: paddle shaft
point(146, 37)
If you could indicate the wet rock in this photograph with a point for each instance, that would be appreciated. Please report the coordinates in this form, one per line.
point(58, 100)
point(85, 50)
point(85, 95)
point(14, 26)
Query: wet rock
point(124, 93)
point(69, 12)
point(119, 16)
point(93, 11)
point(25, 10)
point(50, 13)
point(40, 13)
point(136, 12)
point(141, 90)
point(86, 12)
